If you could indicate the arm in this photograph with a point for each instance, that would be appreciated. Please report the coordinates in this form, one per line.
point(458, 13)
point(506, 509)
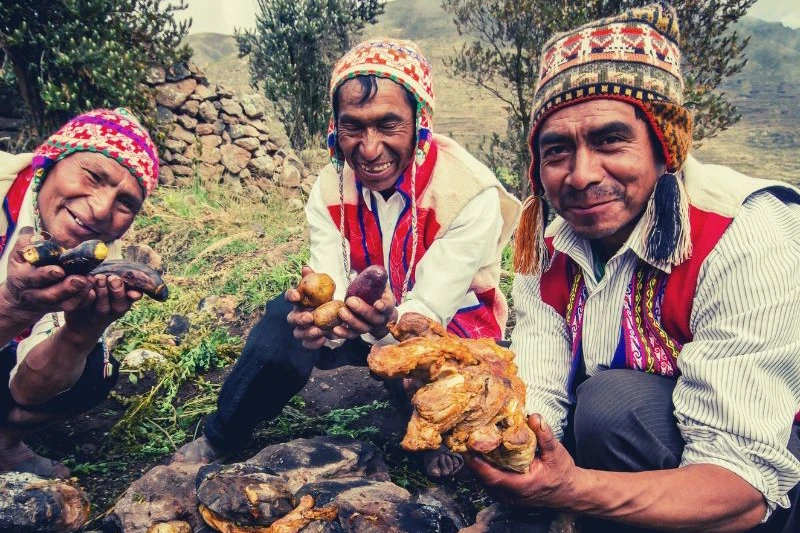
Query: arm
point(52, 359)
point(734, 402)
point(698, 497)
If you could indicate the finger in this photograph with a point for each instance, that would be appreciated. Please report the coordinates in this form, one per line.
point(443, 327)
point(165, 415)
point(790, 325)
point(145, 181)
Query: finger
point(117, 295)
point(358, 311)
point(352, 321)
point(293, 296)
point(314, 344)
point(134, 296)
point(102, 304)
point(37, 278)
point(306, 270)
point(545, 438)
point(300, 319)
point(345, 333)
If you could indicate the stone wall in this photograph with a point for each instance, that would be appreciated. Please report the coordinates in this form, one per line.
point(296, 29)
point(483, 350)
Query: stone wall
point(221, 137)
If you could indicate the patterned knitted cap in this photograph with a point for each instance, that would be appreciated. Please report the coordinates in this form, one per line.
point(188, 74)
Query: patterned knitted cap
point(633, 57)
point(114, 133)
point(400, 61)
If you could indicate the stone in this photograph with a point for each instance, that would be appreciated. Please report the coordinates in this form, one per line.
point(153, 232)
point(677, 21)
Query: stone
point(245, 174)
point(260, 125)
point(234, 158)
point(304, 460)
point(223, 307)
point(242, 130)
point(181, 170)
point(155, 75)
point(163, 494)
point(259, 152)
point(173, 95)
point(191, 107)
point(31, 504)
point(204, 129)
point(207, 112)
point(252, 105)
point(179, 133)
point(262, 166)
point(209, 172)
point(113, 337)
point(166, 176)
point(295, 204)
point(290, 177)
point(253, 191)
point(164, 115)
point(250, 144)
point(178, 326)
point(231, 107)
point(140, 252)
point(177, 159)
point(143, 359)
point(174, 145)
point(203, 92)
point(173, 526)
point(178, 72)
point(187, 122)
point(206, 151)
point(224, 92)
point(229, 119)
point(243, 493)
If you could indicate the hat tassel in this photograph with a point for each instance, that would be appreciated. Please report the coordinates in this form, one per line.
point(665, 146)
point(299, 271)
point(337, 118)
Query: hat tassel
point(667, 231)
point(530, 251)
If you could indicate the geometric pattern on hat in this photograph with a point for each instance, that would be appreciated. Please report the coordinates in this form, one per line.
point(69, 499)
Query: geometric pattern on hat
point(633, 57)
point(400, 61)
point(114, 133)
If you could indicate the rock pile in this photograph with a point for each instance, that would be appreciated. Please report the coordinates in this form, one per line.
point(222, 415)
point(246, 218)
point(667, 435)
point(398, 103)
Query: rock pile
point(222, 137)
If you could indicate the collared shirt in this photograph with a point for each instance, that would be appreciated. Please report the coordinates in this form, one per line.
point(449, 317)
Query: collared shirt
point(739, 387)
point(444, 272)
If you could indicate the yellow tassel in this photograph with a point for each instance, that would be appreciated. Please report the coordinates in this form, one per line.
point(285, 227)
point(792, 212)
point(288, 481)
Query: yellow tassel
point(530, 252)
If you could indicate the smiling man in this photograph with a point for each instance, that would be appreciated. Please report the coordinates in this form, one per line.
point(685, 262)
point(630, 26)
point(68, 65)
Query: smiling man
point(87, 181)
point(395, 195)
point(658, 316)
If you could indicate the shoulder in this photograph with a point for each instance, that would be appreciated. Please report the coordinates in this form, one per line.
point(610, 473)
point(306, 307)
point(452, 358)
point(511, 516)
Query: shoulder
point(455, 162)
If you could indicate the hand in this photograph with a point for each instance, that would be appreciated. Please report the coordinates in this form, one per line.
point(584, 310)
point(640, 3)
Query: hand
point(302, 320)
point(34, 291)
point(111, 301)
point(548, 483)
point(359, 317)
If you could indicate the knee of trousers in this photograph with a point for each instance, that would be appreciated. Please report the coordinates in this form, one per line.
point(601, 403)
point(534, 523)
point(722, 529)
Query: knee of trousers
point(626, 415)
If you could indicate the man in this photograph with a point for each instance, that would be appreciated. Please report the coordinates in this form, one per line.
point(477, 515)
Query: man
point(659, 339)
point(395, 195)
point(87, 181)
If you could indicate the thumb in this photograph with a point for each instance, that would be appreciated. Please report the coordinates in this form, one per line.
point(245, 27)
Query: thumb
point(306, 271)
point(545, 438)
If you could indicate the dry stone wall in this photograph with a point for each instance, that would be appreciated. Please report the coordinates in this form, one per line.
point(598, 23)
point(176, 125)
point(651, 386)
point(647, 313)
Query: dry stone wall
point(221, 137)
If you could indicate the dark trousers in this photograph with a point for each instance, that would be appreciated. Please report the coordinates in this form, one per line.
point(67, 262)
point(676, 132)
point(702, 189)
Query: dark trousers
point(272, 368)
point(623, 422)
point(90, 389)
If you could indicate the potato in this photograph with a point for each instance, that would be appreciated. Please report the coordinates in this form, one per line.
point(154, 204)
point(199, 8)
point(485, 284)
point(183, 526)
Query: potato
point(316, 289)
point(369, 284)
point(326, 316)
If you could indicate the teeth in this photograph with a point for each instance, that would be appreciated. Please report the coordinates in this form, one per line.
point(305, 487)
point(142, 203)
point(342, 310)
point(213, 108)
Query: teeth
point(79, 222)
point(376, 168)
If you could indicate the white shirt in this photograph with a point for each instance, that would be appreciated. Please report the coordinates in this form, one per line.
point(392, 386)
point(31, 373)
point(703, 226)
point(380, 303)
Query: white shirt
point(444, 272)
point(739, 387)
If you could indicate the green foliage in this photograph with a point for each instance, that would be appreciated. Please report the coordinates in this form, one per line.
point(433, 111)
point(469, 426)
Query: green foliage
point(292, 52)
point(70, 56)
point(507, 37)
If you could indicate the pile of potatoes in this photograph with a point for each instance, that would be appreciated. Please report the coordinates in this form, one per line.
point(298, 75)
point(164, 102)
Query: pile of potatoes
point(316, 291)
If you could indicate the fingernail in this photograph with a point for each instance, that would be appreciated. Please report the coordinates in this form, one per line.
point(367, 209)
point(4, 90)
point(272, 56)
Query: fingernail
point(543, 424)
point(77, 283)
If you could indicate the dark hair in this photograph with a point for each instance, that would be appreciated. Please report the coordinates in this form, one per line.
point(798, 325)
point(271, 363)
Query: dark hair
point(369, 87)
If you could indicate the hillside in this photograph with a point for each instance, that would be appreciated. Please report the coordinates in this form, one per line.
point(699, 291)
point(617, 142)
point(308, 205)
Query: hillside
point(764, 143)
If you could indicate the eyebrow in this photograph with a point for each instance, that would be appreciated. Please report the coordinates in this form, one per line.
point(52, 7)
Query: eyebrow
point(388, 117)
point(610, 128)
point(100, 172)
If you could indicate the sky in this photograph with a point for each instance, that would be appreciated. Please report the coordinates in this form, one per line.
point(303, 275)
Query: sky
point(222, 16)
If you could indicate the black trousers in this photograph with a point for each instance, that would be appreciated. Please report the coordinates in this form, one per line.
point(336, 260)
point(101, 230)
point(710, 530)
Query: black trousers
point(271, 369)
point(623, 422)
point(90, 389)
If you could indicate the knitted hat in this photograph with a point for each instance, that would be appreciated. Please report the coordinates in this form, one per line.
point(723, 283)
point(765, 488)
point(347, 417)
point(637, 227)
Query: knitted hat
point(633, 57)
point(402, 62)
point(114, 133)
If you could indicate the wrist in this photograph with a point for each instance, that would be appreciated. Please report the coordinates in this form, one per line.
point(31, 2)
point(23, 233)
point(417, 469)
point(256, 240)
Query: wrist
point(13, 312)
point(78, 337)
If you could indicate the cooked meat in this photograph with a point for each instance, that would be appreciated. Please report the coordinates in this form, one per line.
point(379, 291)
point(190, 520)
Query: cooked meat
point(473, 396)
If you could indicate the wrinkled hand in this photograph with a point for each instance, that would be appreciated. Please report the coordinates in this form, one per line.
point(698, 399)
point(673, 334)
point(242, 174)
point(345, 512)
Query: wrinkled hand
point(302, 320)
point(548, 483)
point(111, 301)
point(35, 291)
point(359, 317)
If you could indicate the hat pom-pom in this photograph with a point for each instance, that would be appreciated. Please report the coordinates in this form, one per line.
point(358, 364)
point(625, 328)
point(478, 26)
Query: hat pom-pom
point(530, 252)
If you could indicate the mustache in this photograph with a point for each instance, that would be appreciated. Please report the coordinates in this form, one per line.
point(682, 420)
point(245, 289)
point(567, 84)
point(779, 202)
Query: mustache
point(594, 194)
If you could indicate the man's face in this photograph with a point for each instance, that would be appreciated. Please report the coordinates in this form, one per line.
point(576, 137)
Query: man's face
point(598, 168)
point(88, 196)
point(376, 137)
